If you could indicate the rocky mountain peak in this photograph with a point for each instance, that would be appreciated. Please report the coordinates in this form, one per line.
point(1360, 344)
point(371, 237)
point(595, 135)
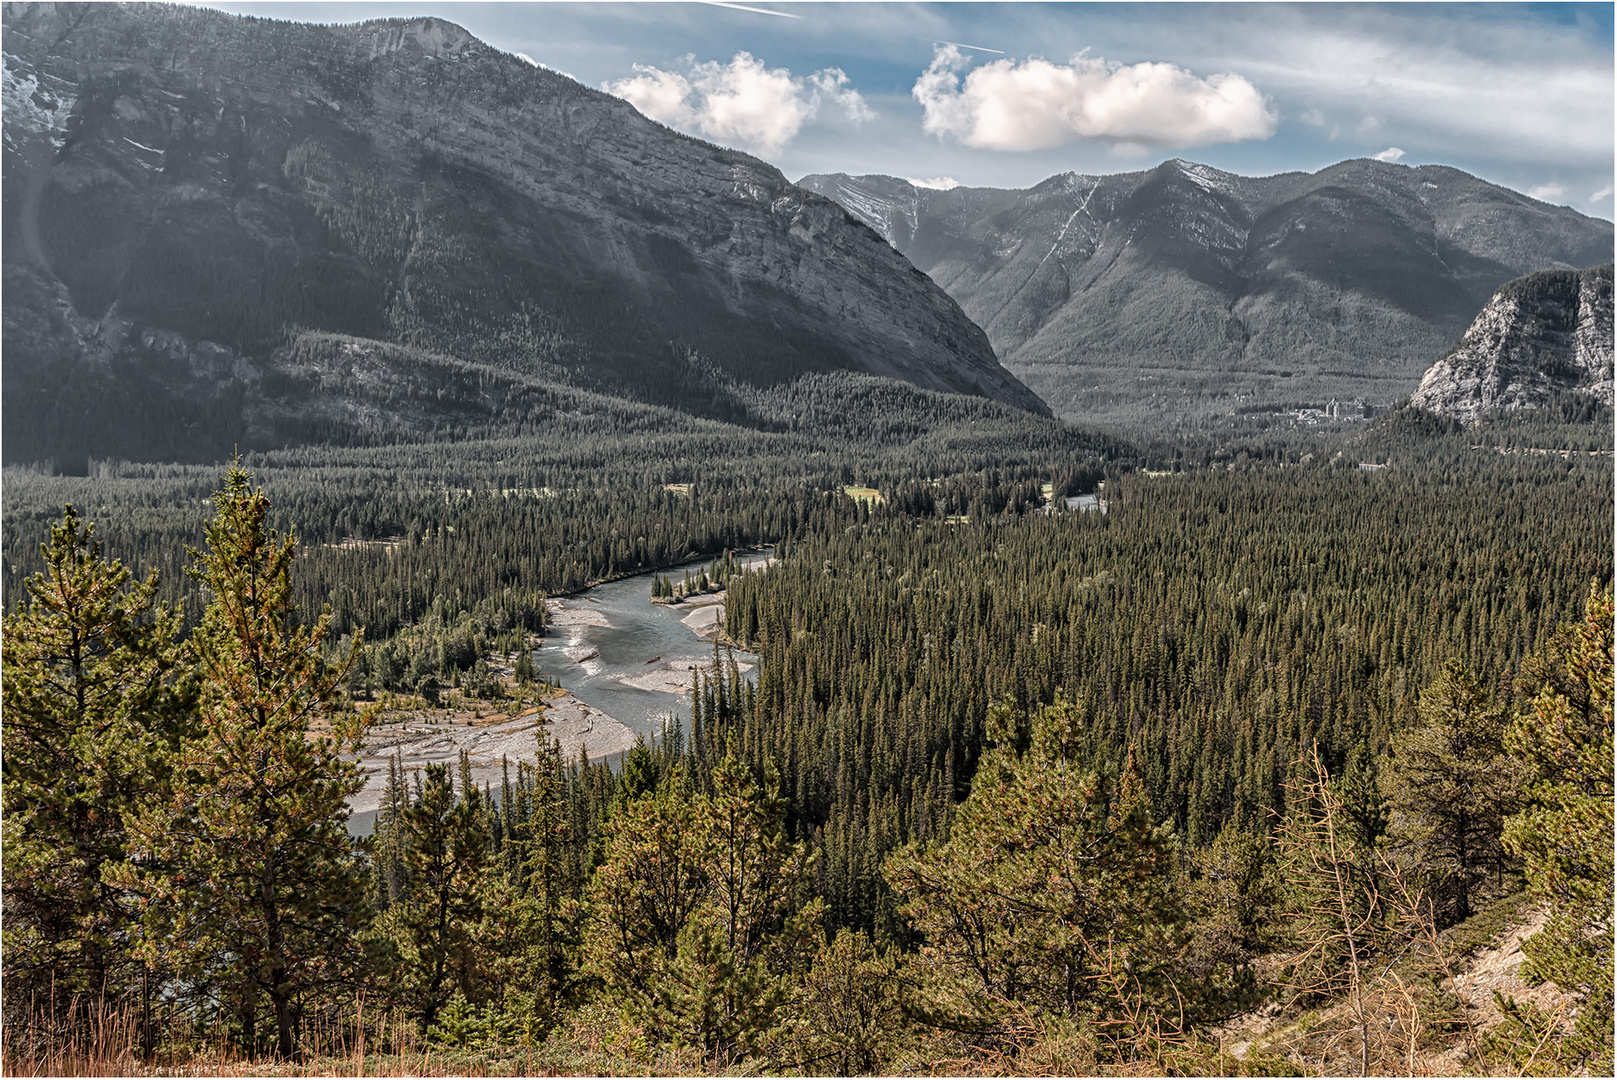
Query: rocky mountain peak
point(1183, 292)
point(426, 36)
point(1539, 335)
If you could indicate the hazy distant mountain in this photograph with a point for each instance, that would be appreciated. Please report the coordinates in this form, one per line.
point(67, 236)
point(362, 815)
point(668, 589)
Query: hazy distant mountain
point(227, 232)
point(1539, 335)
point(1184, 291)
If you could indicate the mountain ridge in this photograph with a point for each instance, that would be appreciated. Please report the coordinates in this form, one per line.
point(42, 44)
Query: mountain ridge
point(1184, 292)
point(250, 185)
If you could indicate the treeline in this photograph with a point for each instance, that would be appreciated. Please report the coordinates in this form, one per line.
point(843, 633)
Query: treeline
point(585, 500)
point(465, 540)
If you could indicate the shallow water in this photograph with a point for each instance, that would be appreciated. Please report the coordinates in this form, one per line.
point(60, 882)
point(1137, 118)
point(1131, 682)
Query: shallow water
point(639, 638)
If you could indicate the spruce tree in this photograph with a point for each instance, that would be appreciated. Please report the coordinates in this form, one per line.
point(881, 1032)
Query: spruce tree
point(250, 884)
point(446, 848)
point(1054, 891)
point(697, 918)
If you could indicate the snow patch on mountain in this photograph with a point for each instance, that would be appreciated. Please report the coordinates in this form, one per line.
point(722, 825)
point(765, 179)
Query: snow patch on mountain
point(32, 108)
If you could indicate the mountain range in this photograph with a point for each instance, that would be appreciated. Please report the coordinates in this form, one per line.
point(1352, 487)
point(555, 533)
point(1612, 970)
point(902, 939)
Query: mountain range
point(1182, 292)
point(229, 232)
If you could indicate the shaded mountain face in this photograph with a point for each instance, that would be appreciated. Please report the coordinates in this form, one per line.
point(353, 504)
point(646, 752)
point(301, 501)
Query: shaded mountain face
point(231, 232)
point(1539, 335)
point(1185, 292)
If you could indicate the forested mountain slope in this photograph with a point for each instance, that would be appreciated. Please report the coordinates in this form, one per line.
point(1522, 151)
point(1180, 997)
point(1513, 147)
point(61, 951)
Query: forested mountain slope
point(1541, 334)
point(1184, 291)
point(215, 223)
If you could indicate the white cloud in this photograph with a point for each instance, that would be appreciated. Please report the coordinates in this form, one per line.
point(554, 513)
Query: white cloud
point(832, 84)
point(1313, 116)
point(741, 102)
point(1550, 192)
point(1036, 105)
point(1391, 153)
point(659, 94)
point(936, 183)
point(1603, 193)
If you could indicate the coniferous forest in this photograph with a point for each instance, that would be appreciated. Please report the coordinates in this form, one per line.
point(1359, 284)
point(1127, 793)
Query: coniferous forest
point(1235, 777)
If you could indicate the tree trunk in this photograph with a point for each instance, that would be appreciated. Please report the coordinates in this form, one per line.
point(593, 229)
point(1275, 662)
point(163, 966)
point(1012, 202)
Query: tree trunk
point(249, 1017)
point(1462, 901)
point(286, 1046)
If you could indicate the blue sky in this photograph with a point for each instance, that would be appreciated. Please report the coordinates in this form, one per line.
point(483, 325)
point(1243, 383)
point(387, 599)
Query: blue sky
point(1007, 94)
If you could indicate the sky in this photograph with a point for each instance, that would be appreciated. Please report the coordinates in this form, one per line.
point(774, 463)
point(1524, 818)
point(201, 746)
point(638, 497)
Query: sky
point(1007, 94)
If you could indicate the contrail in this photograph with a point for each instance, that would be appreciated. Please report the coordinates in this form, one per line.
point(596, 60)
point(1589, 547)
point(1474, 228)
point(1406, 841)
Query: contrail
point(963, 45)
point(754, 10)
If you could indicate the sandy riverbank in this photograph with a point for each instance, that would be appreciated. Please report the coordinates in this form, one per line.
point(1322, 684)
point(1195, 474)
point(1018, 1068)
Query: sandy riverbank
point(426, 736)
point(676, 677)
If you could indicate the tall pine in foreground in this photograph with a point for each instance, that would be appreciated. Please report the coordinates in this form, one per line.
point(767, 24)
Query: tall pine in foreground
point(92, 696)
point(1451, 786)
point(252, 888)
point(1564, 834)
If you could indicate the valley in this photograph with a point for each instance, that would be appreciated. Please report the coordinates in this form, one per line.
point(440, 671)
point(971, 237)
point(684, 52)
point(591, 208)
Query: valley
point(495, 585)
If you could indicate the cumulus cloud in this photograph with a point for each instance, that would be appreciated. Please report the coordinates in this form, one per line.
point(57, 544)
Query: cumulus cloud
point(1391, 153)
point(741, 102)
point(659, 94)
point(1603, 193)
point(936, 183)
point(1313, 116)
point(1036, 105)
point(1551, 192)
point(832, 85)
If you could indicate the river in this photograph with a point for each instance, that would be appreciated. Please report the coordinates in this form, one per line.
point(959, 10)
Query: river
point(616, 651)
point(612, 649)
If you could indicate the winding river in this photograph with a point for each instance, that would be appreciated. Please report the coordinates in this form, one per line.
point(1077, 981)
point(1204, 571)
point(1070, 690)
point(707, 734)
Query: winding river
point(612, 649)
point(617, 652)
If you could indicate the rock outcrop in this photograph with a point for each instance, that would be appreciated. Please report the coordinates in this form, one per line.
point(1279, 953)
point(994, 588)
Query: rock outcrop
point(191, 198)
point(1183, 292)
point(1540, 335)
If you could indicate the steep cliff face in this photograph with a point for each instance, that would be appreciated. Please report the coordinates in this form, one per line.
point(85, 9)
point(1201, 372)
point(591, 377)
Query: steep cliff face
point(1184, 291)
point(234, 186)
point(1541, 334)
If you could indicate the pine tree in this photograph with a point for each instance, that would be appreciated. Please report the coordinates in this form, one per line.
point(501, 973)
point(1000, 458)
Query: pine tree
point(248, 878)
point(1053, 892)
point(540, 969)
point(1451, 786)
point(697, 917)
point(436, 924)
point(390, 873)
point(92, 711)
point(1565, 832)
point(847, 1017)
